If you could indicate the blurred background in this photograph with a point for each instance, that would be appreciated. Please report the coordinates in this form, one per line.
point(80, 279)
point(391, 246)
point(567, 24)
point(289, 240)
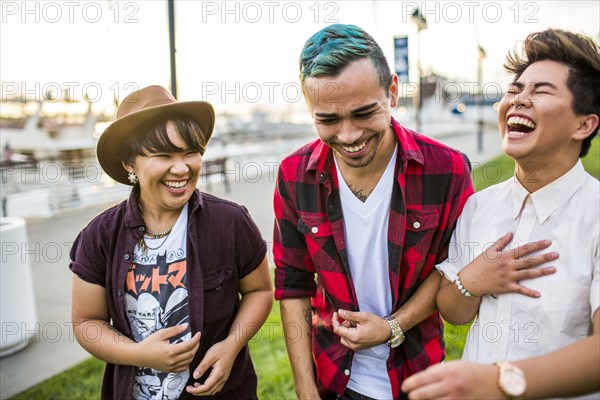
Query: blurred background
point(66, 65)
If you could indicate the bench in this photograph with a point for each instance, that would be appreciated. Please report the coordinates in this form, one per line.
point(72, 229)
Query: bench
point(214, 167)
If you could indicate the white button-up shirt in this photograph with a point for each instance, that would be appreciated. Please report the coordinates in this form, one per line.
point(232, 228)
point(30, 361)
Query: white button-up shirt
point(567, 211)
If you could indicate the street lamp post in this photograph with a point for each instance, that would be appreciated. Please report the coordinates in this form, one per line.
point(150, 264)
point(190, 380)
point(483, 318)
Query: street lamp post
point(172, 51)
point(421, 23)
point(480, 102)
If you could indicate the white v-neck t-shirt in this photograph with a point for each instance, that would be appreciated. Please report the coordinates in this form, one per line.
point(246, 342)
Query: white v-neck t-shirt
point(366, 232)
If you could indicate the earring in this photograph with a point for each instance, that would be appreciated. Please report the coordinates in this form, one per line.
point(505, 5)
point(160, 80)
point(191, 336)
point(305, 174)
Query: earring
point(132, 178)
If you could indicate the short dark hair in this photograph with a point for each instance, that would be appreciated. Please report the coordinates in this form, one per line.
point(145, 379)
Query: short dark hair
point(152, 137)
point(333, 48)
point(580, 54)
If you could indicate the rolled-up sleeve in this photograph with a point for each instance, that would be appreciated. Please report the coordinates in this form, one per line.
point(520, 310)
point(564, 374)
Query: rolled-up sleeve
point(294, 270)
point(86, 258)
point(251, 247)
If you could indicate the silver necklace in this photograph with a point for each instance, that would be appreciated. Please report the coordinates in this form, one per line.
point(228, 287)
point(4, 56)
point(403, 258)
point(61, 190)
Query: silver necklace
point(144, 246)
point(152, 235)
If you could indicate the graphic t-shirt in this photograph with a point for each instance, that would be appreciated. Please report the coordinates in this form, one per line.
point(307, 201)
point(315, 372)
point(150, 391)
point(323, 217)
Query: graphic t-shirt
point(157, 298)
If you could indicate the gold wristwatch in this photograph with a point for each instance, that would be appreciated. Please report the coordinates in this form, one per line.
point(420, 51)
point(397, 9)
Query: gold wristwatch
point(397, 335)
point(511, 380)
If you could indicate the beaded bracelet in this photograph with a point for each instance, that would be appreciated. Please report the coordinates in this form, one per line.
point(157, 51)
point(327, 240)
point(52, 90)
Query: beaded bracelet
point(462, 289)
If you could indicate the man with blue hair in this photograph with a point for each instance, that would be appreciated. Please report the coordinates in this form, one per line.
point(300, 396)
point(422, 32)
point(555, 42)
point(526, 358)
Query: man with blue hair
point(369, 207)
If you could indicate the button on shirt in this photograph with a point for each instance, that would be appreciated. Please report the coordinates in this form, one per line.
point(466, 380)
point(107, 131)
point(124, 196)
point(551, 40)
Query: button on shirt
point(512, 326)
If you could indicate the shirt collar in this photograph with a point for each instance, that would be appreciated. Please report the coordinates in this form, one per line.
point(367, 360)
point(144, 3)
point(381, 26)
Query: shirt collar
point(408, 149)
point(552, 196)
point(321, 159)
point(133, 215)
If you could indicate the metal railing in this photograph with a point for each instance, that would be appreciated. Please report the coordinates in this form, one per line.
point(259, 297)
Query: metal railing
point(42, 188)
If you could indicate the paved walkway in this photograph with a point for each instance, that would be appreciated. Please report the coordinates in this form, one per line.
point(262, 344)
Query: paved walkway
point(54, 348)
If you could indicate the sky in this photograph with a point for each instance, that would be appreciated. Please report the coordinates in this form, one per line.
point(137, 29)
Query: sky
point(243, 55)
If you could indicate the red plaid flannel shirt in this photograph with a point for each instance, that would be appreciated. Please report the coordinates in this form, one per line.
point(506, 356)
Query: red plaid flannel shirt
point(433, 183)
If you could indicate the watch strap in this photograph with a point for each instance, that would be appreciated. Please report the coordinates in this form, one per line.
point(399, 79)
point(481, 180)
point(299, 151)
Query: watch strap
point(397, 335)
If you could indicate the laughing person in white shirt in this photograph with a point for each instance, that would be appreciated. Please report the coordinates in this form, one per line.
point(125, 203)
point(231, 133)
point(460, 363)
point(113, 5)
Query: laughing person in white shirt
point(530, 303)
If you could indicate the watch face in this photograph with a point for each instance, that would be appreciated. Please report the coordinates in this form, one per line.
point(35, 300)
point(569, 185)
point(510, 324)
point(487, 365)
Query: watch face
point(512, 383)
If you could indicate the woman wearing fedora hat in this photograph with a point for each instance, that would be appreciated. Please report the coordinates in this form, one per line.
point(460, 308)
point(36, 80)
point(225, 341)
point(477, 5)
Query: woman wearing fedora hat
point(170, 284)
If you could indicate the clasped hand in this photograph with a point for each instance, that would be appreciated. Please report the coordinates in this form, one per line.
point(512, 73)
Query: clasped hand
point(360, 330)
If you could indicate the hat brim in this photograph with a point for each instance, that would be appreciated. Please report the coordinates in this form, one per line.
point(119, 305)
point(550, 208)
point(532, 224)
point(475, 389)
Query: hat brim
point(112, 139)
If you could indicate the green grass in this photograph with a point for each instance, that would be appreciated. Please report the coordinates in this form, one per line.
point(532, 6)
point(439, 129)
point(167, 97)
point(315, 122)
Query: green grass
point(503, 167)
point(591, 162)
point(268, 347)
point(271, 361)
point(455, 337)
point(80, 382)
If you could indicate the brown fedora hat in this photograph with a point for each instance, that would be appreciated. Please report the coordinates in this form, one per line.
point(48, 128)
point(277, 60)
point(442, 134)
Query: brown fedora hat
point(136, 109)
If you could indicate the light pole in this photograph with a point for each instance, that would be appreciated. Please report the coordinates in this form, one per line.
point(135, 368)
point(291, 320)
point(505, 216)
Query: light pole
point(480, 101)
point(421, 23)
point(172, 50)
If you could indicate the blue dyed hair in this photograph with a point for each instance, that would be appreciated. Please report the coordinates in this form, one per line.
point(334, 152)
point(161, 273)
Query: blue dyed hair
point(333, 48)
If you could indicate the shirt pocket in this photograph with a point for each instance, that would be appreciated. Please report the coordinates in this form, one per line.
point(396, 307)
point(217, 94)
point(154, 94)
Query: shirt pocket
point(420, 229)
point(319, 241)
point(219, 294)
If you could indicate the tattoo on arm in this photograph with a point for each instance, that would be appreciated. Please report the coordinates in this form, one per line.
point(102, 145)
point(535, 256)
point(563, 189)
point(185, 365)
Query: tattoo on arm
point(118, 335)
point(308, 318)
